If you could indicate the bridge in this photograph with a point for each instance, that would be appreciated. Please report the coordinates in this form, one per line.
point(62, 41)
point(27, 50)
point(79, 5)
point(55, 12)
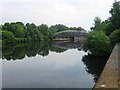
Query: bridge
point(71, 34)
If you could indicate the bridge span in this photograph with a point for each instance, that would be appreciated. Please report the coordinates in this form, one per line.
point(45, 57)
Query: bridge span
point(71, 34)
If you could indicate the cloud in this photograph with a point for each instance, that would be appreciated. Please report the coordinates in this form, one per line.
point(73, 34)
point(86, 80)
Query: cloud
point(68, 12)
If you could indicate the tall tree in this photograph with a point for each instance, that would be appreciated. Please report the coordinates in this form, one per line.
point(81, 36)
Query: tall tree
point(44, 30)
point(97, 24)
point(115, 15)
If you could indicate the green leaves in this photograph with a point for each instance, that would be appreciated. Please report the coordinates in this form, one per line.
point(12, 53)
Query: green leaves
point(115, 15)
point(97, 43)
point(56, 28)
point(115, 36)
point(7, 35)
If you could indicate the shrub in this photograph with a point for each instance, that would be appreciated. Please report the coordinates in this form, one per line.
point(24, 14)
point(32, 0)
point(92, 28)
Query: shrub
point(97, 43)
point(115, 36)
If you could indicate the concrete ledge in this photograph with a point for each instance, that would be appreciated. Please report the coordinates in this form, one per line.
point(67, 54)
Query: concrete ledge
point(109, 78)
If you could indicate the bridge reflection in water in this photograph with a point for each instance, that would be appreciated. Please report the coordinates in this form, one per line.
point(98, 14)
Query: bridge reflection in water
point(67, 44)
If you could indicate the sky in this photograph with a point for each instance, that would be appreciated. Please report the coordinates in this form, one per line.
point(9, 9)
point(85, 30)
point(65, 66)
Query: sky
point(72, 13)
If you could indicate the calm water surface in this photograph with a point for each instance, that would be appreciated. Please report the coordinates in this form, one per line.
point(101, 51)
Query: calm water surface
point(56, 65)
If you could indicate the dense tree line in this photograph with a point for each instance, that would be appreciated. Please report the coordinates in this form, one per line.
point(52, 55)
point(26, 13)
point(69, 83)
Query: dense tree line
point(17, 32)
point(104, 34)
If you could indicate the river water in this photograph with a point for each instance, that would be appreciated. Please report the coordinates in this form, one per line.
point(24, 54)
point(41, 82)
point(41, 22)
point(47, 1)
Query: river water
point(49, 65)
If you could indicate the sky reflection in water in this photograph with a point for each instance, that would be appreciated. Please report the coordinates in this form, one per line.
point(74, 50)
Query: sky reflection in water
point(57, 70)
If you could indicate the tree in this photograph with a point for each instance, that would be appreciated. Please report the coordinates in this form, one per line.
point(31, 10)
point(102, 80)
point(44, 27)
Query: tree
point(6, 26)
point(32, 33)
point(7, 35)
point(56, 28)
point(19, 31)
point(16, 28)
point(97, 43)
point(76, 28)
point(115, 36)
point(115, 16)
point(0, 35)
point(97, 24)
point(52, 30)
point(44, 30)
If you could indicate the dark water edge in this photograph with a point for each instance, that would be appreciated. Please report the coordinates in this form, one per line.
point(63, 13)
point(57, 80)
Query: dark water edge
point(94, 64)
point(85, 64)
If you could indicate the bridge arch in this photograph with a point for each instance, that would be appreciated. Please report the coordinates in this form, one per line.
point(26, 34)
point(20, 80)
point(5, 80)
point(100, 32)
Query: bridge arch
point(69, 34)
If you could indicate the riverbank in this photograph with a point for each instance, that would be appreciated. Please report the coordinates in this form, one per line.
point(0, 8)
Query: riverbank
point(109, 78)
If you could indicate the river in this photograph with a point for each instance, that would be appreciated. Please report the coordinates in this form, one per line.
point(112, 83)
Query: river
point(49, 65)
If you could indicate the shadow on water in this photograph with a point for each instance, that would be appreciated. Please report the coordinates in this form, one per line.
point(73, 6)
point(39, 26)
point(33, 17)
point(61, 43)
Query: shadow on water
point(94, 64)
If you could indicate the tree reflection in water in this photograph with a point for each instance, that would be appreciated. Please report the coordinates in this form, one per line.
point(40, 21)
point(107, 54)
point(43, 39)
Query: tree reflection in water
point(32, 49)
point(94, 64)
point(15, 52)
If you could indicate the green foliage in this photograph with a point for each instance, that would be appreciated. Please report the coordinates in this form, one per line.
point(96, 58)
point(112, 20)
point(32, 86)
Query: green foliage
point(97, 24)
point(115, 15)
point(7, 35)
point(115, 36)
point(24, 33)
point(19, 31)
point(52, 30)
point(16, 28)
point(32, 33)
point(114, 20)
point(56, 28)
point(97, 43)
point(112, 23)
point(100, 25)
point(6, 26)
point(76, 28)
point(44, 31)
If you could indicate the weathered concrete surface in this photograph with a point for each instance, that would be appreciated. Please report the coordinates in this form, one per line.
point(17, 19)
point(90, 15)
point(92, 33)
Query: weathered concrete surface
point(109, 78)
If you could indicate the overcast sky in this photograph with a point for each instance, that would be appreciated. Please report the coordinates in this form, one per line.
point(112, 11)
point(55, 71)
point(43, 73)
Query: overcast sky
point(67, 12)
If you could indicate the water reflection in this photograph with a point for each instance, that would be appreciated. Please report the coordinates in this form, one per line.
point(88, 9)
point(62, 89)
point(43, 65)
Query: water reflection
point(94, 64)
point(67, 44)
point(62, 63)
point(30, 50)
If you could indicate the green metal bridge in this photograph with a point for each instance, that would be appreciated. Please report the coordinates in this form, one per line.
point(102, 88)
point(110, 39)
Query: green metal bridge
point(69, 34)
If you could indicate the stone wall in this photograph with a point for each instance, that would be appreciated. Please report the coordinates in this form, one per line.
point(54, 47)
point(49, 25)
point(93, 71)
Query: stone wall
point(109, 78)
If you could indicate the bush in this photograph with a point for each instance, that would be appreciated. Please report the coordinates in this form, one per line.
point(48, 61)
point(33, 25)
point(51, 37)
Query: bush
point(97, 43)
point(115, 36)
